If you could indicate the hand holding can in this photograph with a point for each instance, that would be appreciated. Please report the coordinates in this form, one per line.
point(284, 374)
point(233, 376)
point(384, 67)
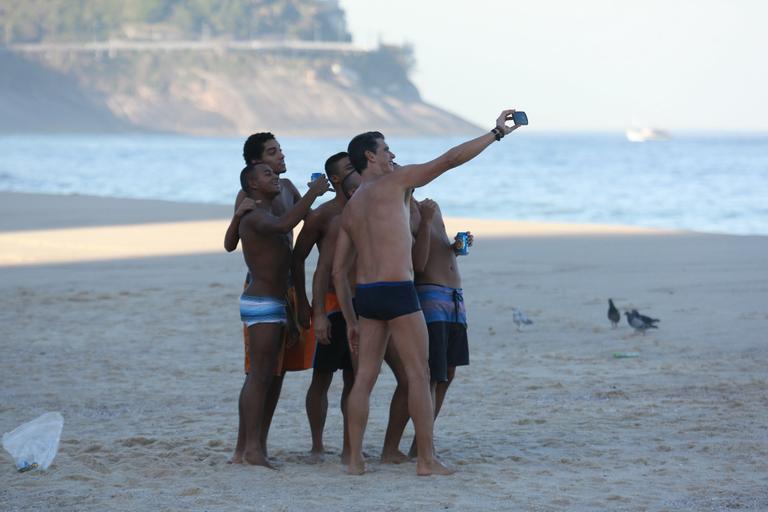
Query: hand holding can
point(461, 245)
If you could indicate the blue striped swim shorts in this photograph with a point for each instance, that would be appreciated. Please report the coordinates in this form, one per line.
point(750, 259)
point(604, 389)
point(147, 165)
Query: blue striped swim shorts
point(262, 310)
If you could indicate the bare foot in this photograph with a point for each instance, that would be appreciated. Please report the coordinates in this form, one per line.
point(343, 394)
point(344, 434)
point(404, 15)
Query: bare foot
point(393, 457)
point(436, 468)
point(257, 459)
point(356, 464)
point(237, 458)
point(356, 468)
point(316, 457)
point(345, 458)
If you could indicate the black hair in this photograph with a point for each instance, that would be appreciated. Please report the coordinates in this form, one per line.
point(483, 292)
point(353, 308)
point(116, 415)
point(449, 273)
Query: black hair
point(331, 169)
point(367, 141)
point(244, 177)
point(253, 149)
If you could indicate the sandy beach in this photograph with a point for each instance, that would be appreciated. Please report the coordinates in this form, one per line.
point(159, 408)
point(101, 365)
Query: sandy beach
point(123, 315)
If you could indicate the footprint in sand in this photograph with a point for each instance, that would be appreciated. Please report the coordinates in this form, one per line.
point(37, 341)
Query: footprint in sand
point(137, 441)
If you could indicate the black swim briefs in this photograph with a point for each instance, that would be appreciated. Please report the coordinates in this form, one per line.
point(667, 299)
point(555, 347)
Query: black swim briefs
point(386, 300)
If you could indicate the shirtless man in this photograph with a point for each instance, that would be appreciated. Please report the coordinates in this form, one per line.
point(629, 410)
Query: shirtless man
point(438, 284)
point(398, 407)
point(332, 350)
point(331, 334)
point(260, 147)
point(267, 253)
point(375, 225)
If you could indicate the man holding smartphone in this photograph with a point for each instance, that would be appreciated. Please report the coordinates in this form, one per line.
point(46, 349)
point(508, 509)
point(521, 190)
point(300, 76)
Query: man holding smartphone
point(375, 226)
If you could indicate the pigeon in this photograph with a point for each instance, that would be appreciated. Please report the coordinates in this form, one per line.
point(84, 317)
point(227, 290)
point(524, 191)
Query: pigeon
point(613, 314)
point(641, 323)
point(520, 318)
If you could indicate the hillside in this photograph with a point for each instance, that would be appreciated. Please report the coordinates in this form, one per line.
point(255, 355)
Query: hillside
point(186, 67)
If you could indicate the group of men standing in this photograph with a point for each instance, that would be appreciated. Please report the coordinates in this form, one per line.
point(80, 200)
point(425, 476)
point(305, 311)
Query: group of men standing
point(386, 287)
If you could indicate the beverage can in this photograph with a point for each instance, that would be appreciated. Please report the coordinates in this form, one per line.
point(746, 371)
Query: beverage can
point(315, 175)
point(462, 245)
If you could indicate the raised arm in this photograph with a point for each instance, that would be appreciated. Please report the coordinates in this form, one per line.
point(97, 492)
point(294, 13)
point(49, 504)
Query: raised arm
point(421, 247)
point(232, 236)
point(343, 259)
point(308, 236)
point(286, 222)
point(412, 176)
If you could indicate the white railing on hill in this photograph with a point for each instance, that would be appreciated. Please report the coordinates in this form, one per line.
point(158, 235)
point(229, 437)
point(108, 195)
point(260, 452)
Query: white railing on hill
point(119, 45)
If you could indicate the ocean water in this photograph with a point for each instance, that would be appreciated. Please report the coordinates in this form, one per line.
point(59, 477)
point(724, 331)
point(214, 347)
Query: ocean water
point(702, 183)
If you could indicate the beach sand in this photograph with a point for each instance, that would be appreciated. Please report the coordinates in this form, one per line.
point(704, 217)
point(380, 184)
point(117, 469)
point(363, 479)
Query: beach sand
point(123, 316)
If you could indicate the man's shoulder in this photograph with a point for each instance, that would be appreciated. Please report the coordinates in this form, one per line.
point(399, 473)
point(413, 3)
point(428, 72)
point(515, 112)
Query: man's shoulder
point(289, 189)
point(286, 182)
point(395, 180)
point(255, 215)
point(318, 217)
point(249, 222)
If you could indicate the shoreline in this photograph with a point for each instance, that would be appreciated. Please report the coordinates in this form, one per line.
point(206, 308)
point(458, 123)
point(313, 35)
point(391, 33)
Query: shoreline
point(34, 232)
point(89, 211)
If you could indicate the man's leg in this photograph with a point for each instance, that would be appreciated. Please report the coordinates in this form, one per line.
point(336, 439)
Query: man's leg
point(237, 457)
point(409, 334)
point(373, 342)
point(442, 389)
point(398, 410)
point(438, 390)
point(273, 395)
point(349, 379)
point(316, 404)
point(264, 344)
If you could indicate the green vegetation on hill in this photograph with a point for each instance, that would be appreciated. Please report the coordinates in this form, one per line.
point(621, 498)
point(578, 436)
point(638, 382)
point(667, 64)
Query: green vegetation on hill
point(31, 21)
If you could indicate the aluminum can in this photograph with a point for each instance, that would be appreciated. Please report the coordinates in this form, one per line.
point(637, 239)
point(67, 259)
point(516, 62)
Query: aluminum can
point(462, 248)
point(315, 175)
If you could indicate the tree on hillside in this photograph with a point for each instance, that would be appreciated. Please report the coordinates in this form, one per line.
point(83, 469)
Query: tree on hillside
point(30, 21)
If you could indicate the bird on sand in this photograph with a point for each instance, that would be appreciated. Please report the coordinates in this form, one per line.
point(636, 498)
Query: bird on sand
point(613, 314)
point(520, 318)
point(641, 323)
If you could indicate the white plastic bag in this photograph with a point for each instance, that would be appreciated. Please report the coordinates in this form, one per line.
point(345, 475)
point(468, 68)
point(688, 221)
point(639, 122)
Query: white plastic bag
point(33, 445)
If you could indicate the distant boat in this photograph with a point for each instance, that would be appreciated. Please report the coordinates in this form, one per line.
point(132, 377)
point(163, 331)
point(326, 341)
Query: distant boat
point(646, 134)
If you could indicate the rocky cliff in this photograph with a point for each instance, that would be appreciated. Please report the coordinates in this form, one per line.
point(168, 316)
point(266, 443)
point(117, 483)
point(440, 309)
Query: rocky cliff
point(215, 91)
point(210, 67)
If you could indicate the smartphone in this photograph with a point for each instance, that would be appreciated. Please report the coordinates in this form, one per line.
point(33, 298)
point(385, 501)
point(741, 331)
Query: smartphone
point(519, 117)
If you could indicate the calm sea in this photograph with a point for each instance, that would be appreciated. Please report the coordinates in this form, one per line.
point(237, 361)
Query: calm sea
point(702, 183)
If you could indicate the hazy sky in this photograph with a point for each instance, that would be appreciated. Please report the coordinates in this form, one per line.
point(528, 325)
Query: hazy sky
point(584, 64)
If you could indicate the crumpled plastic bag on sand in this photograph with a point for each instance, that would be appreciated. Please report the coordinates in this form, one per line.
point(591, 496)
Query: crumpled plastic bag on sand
point(33, 445)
